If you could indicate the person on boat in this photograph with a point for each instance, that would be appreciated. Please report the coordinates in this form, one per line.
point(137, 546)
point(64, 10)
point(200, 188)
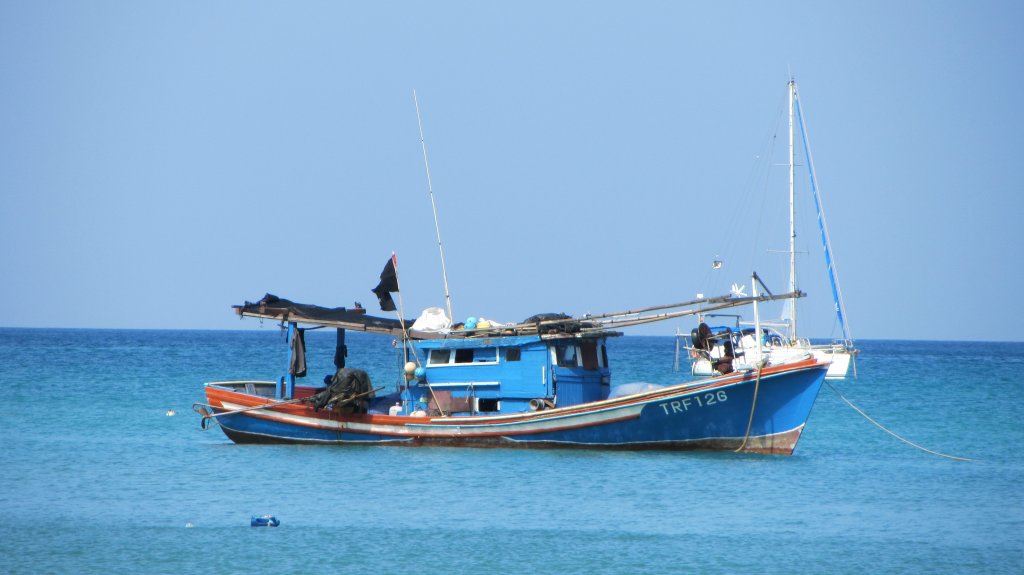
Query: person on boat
point(701, 338)
point(723, 365)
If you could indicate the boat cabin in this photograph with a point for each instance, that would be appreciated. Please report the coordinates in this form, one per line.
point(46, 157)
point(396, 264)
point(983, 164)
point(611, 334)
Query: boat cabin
point(508, 374)
point(548, 361)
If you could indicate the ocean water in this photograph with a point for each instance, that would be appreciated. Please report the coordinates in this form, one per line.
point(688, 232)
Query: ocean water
point(97, 478)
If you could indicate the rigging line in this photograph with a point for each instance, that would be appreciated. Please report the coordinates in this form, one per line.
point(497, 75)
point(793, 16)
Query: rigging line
point(764, 194)
point(751, 208)
point(755, 185)
point(883, 428)
point(763, 184)
point(766, 183)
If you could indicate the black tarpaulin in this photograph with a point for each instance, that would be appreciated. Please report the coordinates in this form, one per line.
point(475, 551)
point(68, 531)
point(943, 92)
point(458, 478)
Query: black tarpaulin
point(273, 307)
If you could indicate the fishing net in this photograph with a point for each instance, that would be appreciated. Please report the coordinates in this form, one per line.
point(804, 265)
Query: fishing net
point(349, 388)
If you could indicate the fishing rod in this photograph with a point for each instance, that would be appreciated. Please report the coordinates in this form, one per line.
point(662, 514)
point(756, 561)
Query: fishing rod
point(729, 298)
point(613, 320)
point(721, 303)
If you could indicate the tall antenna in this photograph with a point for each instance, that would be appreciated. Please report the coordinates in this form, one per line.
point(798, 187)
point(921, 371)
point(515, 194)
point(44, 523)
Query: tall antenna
point(433, 206)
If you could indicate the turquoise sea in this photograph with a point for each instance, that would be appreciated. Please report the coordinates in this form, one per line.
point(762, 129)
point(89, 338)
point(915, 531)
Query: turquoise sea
point(98, 478)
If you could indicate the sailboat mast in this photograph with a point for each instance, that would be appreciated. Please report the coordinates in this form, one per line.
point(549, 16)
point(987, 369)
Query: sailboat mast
point(792, 218)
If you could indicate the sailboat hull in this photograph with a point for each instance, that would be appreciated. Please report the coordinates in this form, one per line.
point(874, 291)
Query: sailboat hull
point(747, 354)
point(838, 357)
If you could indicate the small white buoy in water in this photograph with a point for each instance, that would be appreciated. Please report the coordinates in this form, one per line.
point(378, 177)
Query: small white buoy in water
point(171, 413)
point(188, 525)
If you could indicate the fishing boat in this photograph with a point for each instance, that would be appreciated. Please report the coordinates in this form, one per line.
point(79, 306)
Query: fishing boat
point(544, 382)
point(742, 345)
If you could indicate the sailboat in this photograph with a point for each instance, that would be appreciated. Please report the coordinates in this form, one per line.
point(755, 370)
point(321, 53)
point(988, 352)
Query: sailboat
point(724, 348)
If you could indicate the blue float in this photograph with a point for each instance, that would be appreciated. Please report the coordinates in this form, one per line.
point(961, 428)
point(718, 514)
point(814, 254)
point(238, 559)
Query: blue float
point(264, 521)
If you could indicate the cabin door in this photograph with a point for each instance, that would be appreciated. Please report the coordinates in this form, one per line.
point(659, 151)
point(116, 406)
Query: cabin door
point(578, 369)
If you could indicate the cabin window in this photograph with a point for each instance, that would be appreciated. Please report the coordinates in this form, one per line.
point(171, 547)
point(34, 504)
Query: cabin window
point(604, 355)
point(567, 356)
point(488, 405)
point(463, 356)
point(513, 354)
point(439, 356)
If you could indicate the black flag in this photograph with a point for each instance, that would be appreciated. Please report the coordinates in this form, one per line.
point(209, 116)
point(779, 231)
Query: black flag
point(388, 283)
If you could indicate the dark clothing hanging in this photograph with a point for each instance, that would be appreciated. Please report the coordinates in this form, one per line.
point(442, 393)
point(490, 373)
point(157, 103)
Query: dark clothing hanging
point(297, 365)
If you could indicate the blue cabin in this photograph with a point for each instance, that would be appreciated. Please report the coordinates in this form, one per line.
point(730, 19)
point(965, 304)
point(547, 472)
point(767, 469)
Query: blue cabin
point(508, 374)
point(549, 360)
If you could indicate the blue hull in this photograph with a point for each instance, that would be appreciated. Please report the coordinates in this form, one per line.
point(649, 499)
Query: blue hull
point(763, 414)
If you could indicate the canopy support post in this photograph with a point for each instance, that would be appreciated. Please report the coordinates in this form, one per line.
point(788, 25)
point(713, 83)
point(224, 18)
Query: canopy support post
point(286, 389)
point(340, 349)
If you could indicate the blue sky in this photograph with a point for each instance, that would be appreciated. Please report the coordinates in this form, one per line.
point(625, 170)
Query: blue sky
point(160, 162)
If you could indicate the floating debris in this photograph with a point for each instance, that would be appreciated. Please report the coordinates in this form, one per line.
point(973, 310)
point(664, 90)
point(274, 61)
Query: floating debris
point(265, 521)
point(189, 525)
point(171, 413)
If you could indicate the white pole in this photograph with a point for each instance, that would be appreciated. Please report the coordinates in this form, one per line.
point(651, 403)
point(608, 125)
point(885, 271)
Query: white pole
point(792, 220)
point(433, 206)
point(406, 346)
point(757, 315)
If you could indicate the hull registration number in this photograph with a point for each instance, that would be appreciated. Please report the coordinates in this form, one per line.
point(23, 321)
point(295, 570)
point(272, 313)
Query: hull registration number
point(694, 402)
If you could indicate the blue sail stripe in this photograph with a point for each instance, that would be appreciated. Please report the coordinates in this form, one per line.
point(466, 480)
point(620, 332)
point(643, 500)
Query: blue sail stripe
point(821, 226)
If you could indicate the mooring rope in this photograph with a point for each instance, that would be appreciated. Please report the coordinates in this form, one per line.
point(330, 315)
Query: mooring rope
point(753, 405)
point(882, 427)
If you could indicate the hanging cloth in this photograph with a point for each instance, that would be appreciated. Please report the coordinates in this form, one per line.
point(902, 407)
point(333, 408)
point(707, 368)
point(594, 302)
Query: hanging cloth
point(297, 365)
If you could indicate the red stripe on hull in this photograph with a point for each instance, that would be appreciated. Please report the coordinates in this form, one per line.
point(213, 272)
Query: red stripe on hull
point(778, 444)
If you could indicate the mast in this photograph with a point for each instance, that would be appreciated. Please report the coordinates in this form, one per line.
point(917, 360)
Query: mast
point(437, 227)
point(792, 218)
